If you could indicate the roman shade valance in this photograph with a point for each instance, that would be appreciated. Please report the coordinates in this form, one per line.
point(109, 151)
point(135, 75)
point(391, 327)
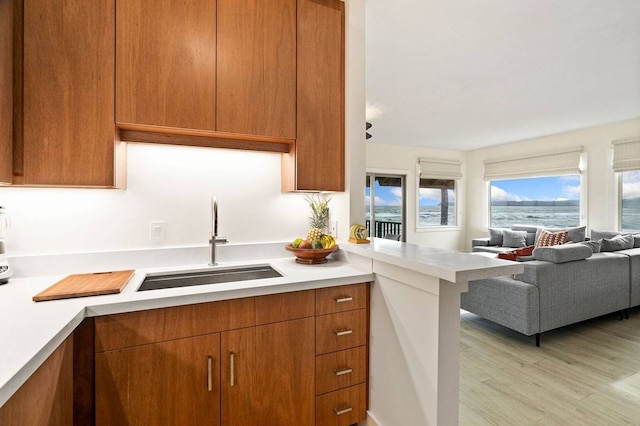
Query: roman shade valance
point(440, 169)
point(562, 162)
point(626, 154)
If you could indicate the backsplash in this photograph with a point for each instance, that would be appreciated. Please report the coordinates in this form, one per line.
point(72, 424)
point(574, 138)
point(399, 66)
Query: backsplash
point(171, 184)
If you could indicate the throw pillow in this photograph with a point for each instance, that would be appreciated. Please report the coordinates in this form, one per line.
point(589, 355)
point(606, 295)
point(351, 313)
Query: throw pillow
point(636, 240)
point(495, 236)
point(598, 235)
point(548, 238)
point(621, 242)
point(514, 238)
point(563, 253)
point(593, 245)
point(576, 234)
point(516, 254)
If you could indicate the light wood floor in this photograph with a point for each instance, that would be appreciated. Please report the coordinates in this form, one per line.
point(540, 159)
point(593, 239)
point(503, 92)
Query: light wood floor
point(584, 374)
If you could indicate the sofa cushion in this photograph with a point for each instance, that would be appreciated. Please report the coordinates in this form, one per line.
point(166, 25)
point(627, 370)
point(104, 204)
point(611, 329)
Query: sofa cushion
point(598, 235)
point(636, 240)
point(562, 254)
point(514, 238)
point(548, 238)
point(621, 242)
point(530, 230)
point(592, 244)
point(495, 236)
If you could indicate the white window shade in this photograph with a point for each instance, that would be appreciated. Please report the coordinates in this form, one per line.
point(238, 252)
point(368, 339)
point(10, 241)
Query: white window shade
point(564, 162)
point(626, 154)
point(440, 169)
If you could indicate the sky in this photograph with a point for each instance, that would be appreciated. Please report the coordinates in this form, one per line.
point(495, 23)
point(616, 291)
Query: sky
point(392, 196)
point(631, 185)
point(539, 189)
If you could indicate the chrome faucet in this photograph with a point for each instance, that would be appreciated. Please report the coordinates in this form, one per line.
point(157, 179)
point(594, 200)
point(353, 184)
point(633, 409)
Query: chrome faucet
point(214, 240)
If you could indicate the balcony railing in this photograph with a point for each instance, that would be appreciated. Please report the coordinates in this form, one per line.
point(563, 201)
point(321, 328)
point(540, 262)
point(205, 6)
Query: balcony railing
point(384, 228)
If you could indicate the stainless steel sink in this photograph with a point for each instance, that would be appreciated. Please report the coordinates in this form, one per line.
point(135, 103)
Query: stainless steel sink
point(207, 276)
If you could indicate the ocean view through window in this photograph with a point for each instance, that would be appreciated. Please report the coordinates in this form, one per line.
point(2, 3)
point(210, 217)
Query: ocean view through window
point(385, 206)
point(630, 201)
point(552, 202)
point(437, 202)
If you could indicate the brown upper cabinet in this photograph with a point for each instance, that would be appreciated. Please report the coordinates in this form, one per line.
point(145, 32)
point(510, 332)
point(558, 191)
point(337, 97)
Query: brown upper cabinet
point(6, 89)
point(63, 114)
point(166, 63)
point(257, 67)
point(78, 77)
point(317, 162)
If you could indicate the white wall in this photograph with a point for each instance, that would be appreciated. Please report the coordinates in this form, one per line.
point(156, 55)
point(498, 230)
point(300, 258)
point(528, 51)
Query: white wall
point(402, 160)
point(601, 191)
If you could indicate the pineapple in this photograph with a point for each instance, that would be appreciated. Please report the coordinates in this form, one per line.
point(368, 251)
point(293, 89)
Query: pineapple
point(319, 216)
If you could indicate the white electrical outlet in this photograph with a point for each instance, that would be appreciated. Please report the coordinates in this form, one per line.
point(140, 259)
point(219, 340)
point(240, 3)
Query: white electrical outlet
point(156, 231)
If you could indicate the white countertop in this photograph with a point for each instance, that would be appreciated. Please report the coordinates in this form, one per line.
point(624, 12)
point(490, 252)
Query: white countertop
point(31, 331)
point(448, 265)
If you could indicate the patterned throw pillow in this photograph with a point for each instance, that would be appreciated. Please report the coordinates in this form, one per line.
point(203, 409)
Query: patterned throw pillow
point(552, 238)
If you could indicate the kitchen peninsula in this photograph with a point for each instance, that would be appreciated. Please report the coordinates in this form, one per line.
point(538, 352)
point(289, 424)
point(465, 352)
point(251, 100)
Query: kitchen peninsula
point(414, 312)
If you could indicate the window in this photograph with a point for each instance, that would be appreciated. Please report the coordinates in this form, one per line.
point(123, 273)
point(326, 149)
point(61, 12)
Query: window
point(437, 202)
point(552, 202)
point(385, 206)
point(630, 201)
point(542, 189)
point(437, 181)
point(626, 163)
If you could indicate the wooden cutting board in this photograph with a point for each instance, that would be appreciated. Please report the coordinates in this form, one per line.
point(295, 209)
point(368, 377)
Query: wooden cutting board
point(82, 285)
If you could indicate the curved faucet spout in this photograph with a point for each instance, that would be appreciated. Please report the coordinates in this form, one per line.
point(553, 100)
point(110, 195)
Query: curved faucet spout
point(214, 240)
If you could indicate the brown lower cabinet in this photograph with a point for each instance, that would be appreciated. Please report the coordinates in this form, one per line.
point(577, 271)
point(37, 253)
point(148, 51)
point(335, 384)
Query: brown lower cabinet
point(46, 398)
point(244, 362)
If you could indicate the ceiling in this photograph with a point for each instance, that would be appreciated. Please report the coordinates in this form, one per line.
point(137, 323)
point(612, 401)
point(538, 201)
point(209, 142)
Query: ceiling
point(467, 74)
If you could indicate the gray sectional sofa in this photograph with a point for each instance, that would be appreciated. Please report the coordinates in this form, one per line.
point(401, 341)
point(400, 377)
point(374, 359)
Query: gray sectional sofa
point(561, 286)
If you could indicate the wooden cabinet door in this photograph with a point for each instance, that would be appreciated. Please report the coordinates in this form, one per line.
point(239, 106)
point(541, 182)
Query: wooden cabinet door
point(174, 383)
point(46, 398)
point(166, 59)
point(271, 378)
point(319, 152)
point(256, 67)
point(69, 136)
point(6, 91)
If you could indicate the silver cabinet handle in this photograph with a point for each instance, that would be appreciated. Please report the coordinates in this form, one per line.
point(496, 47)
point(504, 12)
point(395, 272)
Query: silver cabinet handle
point(209, 374)
point(343, 299)
point(346, 370)
point(341, 411)
point(343, 332)
point(232, 369)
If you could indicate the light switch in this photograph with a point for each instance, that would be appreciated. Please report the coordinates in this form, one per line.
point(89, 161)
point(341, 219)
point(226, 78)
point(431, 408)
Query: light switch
point(156, 231)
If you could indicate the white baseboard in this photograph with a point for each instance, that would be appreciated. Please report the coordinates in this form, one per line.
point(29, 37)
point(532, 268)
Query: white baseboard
point(371, 421)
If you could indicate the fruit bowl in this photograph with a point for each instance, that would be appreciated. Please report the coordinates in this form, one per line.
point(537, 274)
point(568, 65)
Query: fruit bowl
point(311, 256)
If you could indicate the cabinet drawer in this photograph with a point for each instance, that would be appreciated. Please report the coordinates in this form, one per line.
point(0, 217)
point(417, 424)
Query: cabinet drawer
point(284, 307)
point(340, 299)
point(345, 330)
point(342, 369)
point(157, 325)
point(343, 407)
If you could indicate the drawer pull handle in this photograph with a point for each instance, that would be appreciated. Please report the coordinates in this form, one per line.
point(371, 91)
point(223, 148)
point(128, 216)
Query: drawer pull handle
point(209, 374)
point(341, 411)
point(232, 369)
point(347, 370)
point(343, 332)
point(343, 299)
